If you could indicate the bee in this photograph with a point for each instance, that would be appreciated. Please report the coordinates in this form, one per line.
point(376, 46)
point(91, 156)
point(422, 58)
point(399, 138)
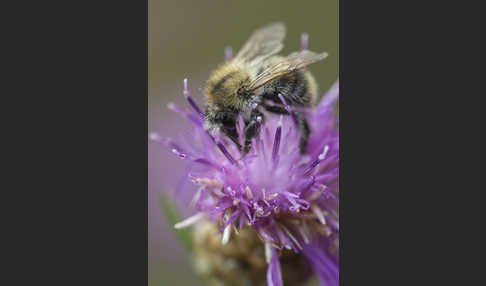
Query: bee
point(256, 78)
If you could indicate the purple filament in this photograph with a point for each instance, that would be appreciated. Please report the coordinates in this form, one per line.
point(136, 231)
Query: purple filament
point(190, 116)
point(276, 142)
point(312, 166)
point(309, 185)
point(206, 162)
point(226, 153)
point(189, 99)
point(287, 107)
point(316, 162)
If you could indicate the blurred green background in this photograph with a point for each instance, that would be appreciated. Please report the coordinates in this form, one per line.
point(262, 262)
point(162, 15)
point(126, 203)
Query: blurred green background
point(187, 39)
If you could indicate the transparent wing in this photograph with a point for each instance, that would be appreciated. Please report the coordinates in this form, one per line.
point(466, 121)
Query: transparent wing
point(263, 43)
point(294, 61)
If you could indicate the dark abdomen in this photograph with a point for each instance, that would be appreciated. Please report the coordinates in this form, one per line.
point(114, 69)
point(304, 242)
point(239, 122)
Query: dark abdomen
point(293, 87)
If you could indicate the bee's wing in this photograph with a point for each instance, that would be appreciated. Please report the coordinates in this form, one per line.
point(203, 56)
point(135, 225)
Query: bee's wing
point(294, 61)
point(263, 43)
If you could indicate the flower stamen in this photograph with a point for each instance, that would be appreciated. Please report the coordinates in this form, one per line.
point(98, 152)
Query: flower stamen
point(249, 194)
point(276, 141)
point(196, 197)
point(226, 234)
point(318, 212)
point(188, 97)
point(316, 162)
point(268, 252)
point(189, 221)
point(289, 109)
point(303, 232)
point(287, 231)
point(226, 153)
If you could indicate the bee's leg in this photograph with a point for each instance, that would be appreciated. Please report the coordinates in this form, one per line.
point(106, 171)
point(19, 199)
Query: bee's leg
point(252, 130)
point(304, 132)
point(232, 134)
point(227, 125)
point(276, 109)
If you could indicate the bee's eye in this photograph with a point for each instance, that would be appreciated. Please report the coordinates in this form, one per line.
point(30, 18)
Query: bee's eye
point(243, 92)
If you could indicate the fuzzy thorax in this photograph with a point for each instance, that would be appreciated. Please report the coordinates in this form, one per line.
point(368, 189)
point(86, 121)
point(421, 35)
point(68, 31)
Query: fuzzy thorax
point(222, 88)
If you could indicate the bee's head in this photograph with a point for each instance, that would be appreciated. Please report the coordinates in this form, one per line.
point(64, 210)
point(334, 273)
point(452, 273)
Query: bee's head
point(227, 87)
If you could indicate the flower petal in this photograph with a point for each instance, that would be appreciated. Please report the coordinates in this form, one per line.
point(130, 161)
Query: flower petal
point(330, 97)
point(274, 273)
point(325, 267)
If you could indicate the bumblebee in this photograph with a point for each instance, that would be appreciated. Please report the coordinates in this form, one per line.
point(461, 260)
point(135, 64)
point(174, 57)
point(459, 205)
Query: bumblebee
point(256, 78)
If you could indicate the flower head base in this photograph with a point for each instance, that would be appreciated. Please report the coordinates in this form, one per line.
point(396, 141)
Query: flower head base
point(290, 200)
point(242, 260)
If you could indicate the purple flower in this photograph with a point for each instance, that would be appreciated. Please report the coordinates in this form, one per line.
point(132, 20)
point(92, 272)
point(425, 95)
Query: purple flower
point(290, 200)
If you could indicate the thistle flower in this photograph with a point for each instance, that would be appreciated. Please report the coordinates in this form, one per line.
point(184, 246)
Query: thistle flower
point(287, 200)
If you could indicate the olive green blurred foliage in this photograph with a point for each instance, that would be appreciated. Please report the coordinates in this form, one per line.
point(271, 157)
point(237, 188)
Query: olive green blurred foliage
point(172, 217)
point(187, 39)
